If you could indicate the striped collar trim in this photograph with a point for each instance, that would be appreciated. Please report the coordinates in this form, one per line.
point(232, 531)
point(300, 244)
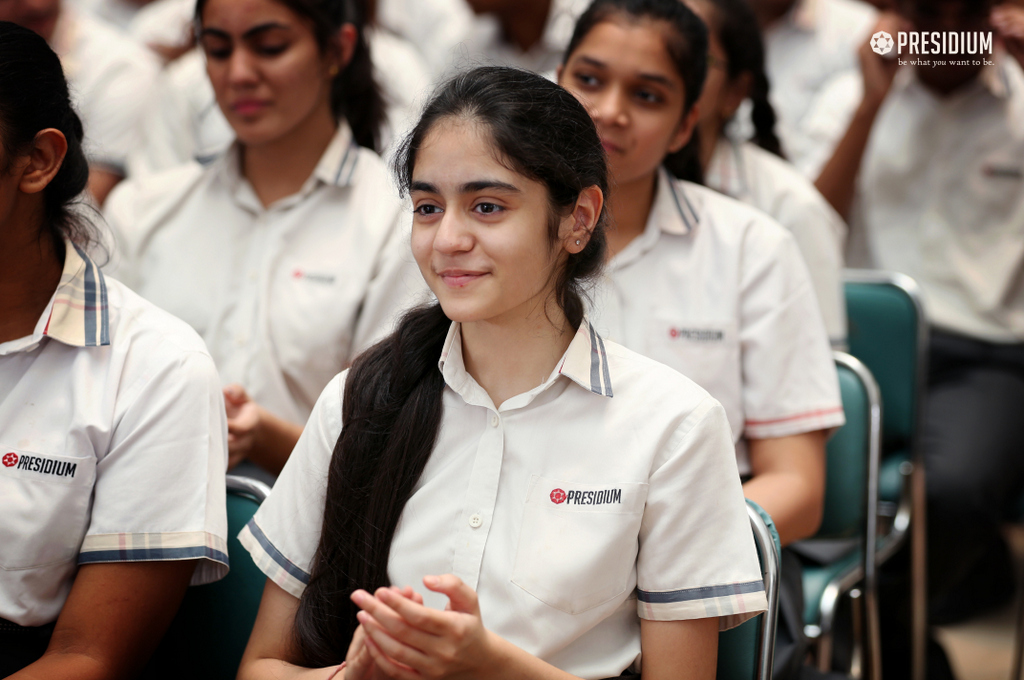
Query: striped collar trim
point(337, 165)
point(79, 313)
point(672, 191)
point(585, 361)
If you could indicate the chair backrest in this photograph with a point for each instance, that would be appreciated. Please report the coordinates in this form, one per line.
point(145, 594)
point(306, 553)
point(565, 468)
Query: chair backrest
point(888, 331)
point(852, 452)
point(213, 624)
point(747, 651)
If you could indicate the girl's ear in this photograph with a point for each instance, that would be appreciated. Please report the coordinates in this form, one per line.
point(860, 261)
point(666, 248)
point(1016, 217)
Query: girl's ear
point(342, 48)
point(44, 161)
point(685, 130)
point(578, 225)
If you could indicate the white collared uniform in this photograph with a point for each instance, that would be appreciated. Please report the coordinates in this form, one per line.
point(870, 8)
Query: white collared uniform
point(808, 52)
point(110, 77)
point(719, 291)
point(756, 177)
point(184, 123)
point(609, 491)
point(112, 444)
point(941, 197)
point(284, 296)
point(453, 39)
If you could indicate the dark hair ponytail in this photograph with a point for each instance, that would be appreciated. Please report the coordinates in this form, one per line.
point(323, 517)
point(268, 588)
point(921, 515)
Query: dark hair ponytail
point(355, 93)
point(33, 97)
point(393, 393)
point(740, 36)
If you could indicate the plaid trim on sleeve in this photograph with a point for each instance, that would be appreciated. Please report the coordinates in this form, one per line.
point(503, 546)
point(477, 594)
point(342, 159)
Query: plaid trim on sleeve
point(211, 550)
point(732, 603)
point(272, 561)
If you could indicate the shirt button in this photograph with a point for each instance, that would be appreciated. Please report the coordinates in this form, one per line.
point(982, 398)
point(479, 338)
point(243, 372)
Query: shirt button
point(494, 421)
point(475, 521)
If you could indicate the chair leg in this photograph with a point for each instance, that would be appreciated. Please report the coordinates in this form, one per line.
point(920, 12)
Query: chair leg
point(919, 574)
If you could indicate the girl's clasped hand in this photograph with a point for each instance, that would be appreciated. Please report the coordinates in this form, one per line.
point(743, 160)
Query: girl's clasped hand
point(399, 637)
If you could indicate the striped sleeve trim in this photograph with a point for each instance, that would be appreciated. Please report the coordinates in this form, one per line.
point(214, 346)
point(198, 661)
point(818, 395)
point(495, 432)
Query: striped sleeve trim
point(808, 421)
point(732, 603)
point(160, 547)
point(272, 561)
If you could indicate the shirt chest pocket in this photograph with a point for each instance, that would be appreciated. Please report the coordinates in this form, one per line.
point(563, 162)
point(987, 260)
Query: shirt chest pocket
point(578, 544)
point(45, 501)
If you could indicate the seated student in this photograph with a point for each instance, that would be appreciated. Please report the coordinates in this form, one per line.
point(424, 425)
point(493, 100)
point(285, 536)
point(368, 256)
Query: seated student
point(701, 282)
point(112, 432)
point(286, 254)
point(480, 448)
point(184, 124)
point(810, 49)
point(753, 172)
point(939, 176)
point(529, 34)
point(110, 78)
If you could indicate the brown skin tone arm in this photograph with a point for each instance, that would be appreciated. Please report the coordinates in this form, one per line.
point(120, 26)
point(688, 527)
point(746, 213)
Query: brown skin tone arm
point(838, 178)
point(112, 621)
point(789, 482)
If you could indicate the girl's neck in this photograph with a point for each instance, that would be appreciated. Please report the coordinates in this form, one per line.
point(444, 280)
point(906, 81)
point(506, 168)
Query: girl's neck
point(513, 355)
point(30, 273)
point(280, 167)
point(630, 206)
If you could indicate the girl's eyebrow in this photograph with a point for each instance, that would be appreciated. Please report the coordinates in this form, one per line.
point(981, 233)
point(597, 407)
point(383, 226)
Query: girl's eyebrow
point(468, 187)
point(651, 77)
point(255, 30)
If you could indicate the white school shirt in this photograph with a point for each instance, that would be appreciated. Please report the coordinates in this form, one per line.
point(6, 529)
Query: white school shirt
point(607, 494)
point(807, 51)
point(110, 77)
point(284, 296)
point(718, 291)
point(756, 177)
point(184, 123)
point(940, 197)
point(113, 444)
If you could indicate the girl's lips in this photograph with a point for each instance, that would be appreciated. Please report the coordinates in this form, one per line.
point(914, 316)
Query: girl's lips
point(248, 106)
point(611, 148)
point(460, 278)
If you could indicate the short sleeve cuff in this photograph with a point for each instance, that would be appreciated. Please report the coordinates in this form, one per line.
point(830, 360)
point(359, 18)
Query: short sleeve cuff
point(272, 561)
point(797, 423)
point(732, 603)
point(209, 549)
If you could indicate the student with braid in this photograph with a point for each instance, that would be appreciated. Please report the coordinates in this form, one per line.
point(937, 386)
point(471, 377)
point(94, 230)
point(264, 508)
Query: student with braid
point(497, 450)
point(699, 281)
point(755, 171)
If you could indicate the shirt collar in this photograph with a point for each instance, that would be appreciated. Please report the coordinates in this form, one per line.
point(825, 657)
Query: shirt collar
point(78, 312)
point(336, 167)
point(672, 212)
point(585, 362)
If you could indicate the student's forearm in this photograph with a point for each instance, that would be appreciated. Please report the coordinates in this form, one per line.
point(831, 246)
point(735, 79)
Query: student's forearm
point(839, 176)
point(70, 666)
point(274, 442)
point(513, 663)
point(790, 501)
point(275, 669)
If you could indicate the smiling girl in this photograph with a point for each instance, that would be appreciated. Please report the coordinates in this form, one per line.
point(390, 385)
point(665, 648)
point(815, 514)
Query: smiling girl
point(497, 450)
point(285, 254)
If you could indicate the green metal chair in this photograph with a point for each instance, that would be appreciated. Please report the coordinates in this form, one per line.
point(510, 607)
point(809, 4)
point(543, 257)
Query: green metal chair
point(888, 331)
point(851, 503)
point(213, 624)
point(747, 651)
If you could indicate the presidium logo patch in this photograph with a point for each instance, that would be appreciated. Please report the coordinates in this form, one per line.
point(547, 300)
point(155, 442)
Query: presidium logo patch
point(45, 466)
point(602, 497)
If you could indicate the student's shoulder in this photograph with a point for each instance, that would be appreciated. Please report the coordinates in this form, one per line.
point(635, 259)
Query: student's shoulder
point(725, 219)
point(105, 48)
point(783, 186)
point(141, 200)
point(636, 378)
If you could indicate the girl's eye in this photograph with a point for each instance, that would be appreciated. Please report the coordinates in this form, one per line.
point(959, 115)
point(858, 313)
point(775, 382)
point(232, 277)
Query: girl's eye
point(217, 52)
point(488, 208)
point(272, 50)
point(648, 97)
point(586, 80)
point(427, 209)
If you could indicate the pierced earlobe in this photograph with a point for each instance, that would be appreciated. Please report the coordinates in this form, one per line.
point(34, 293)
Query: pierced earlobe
point(577, 241)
